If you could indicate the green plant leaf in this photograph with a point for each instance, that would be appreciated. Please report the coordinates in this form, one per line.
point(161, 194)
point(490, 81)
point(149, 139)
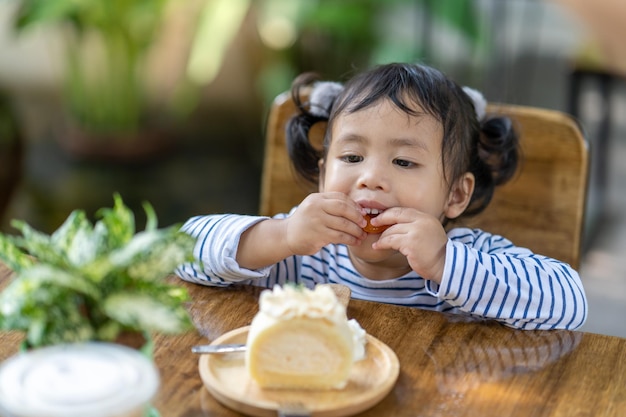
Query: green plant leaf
point(119, 221)
point(151, 217)
point(62, 238)
point(62, 323)
point(78, 240)
point(109, 330)
point(69, 334)
point(13, 256)
point(36, 332)
point(140, 245)
point(39, 278)
point(151, 411)
point(144, 311)
point(36, 243)
point(32, 12)
point(460, 15)
point(167, 249)
point(48, 315)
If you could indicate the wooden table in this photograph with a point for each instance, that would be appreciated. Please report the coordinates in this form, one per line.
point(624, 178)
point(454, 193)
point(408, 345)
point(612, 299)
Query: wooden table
point(448, 366)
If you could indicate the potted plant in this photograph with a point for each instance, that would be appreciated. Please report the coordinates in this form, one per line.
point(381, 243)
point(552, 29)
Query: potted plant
point(107, 44)
point(94, 282)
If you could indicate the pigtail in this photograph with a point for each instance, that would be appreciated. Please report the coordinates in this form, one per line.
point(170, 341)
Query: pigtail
point(303, 155)
point(498, 157)
point(499, 148)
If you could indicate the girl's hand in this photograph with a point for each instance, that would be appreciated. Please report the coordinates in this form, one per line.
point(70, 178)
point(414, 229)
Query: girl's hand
point(418, 236)
point(324, 218)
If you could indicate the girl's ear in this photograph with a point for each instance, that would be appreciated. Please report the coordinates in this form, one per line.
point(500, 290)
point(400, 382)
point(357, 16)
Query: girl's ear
point(460, 196)
point(320, 181)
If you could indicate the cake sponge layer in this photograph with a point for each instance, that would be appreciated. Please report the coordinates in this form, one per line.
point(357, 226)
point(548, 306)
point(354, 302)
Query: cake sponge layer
point(301, 353)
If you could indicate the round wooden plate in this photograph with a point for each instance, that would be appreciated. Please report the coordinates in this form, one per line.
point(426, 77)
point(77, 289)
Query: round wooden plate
point(227, 379)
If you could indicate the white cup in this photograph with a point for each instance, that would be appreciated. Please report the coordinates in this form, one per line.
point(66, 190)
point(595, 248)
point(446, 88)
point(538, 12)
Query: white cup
point(77, 380)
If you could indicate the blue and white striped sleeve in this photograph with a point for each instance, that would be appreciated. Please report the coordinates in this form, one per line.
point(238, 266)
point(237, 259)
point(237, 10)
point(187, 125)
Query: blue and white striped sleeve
point(486, 275)
point(217, 239)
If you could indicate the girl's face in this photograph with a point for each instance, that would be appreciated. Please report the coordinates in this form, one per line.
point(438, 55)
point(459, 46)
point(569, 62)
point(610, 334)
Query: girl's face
point(382, 157)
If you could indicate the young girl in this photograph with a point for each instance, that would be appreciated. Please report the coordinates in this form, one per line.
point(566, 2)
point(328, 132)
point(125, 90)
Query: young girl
point(411, 149)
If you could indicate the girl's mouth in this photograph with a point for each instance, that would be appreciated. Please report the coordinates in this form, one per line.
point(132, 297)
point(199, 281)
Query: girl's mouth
point(369, 214)
point(372, 211)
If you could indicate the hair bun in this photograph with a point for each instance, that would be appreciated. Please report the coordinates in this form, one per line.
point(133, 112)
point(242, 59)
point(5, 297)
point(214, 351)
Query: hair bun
point(480, 104)
point(322, 97)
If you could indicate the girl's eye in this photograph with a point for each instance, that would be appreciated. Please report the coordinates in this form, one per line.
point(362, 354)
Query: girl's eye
point(403, 163)
point(352, 159)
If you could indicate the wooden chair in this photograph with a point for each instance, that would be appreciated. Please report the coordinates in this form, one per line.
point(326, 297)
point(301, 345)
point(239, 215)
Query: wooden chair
point(541, 208)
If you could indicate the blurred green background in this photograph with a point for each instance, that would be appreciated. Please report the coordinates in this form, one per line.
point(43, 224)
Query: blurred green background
point(165, 101)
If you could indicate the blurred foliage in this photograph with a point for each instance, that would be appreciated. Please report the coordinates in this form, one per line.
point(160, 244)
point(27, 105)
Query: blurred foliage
point(136, 20)
point(94, 281)
point(330, 37)
point(105, 90)
point(334, 38)
point(459, 14)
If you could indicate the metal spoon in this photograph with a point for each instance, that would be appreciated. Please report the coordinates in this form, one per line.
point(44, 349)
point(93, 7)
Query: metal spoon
point(230, 348)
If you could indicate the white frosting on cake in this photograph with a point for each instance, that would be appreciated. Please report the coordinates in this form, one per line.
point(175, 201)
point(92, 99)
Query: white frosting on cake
point(302, 338)
point(284, 303)
point(358, 340)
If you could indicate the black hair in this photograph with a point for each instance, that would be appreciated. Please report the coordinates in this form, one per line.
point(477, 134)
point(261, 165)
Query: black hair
point(489, 148)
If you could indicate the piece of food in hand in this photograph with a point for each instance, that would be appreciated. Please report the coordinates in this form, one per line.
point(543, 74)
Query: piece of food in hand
point(369, 228)
point(302, 339)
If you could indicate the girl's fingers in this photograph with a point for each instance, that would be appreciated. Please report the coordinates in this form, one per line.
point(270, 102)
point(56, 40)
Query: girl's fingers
point(395, 215)
point(337, 205)
point(332, 214)
point(343, 206)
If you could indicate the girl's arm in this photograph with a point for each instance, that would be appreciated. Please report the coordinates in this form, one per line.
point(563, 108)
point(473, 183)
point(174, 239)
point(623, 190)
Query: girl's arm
point(217, 240)
point(233, 248)
point(254, 250)
point(487, 276)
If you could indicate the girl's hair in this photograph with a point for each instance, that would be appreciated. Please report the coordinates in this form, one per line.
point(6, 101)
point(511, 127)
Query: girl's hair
point(488, 148)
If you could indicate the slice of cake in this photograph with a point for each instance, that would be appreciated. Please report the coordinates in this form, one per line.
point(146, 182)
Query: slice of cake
point(302, 339)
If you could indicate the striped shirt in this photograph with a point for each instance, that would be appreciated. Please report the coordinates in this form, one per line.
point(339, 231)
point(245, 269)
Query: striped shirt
point(485, 275)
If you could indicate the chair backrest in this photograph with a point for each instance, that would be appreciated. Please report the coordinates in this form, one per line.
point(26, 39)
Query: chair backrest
point(541, 208)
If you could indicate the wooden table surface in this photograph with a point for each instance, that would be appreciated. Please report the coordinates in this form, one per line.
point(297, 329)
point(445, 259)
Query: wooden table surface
point(448, 366)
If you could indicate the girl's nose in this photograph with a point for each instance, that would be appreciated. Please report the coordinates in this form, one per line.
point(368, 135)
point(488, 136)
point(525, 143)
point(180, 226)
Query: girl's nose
point(374, 176)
